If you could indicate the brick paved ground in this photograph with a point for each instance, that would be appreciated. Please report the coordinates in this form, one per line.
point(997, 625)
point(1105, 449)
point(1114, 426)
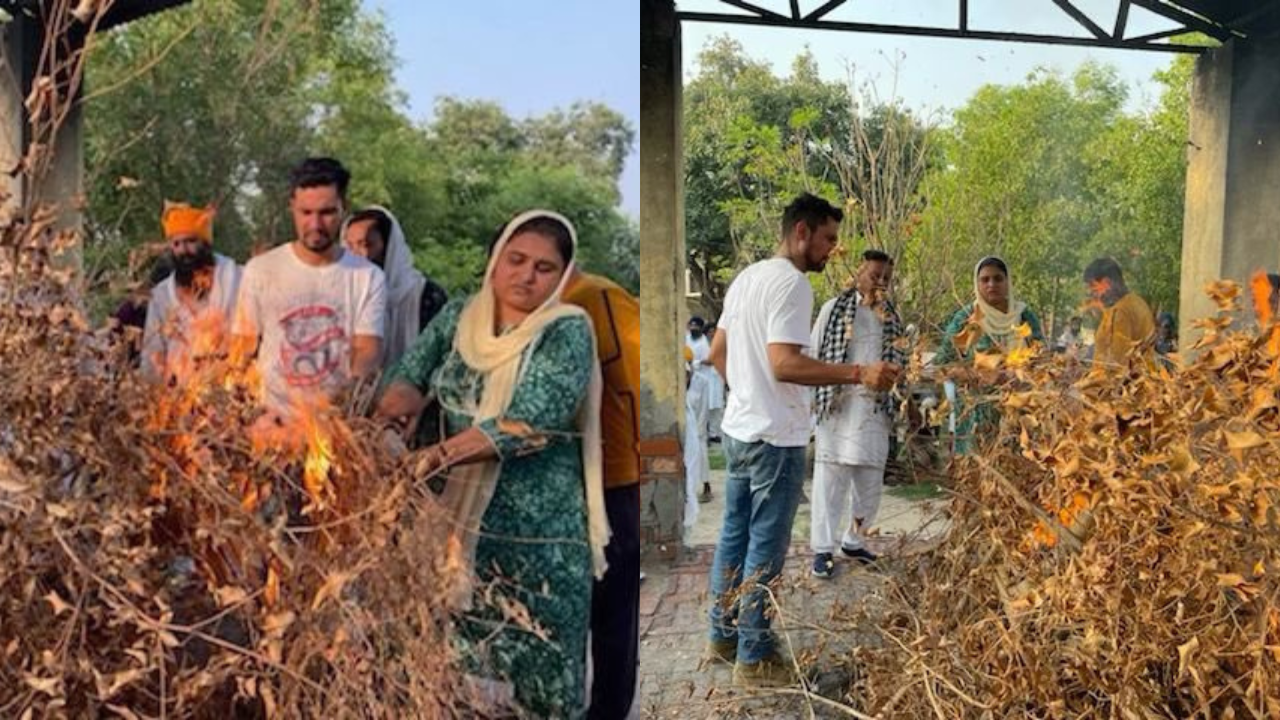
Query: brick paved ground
point(676, 683)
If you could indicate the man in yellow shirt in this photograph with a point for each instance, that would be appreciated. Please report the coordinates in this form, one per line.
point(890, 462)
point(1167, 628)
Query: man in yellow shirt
point(1127, 321)
point(615, 601)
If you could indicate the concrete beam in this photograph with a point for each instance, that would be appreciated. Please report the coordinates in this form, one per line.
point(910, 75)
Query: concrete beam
point(1233, 173)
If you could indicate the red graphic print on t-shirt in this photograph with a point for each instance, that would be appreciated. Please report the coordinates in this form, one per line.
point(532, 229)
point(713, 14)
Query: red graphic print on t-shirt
point(313, 347)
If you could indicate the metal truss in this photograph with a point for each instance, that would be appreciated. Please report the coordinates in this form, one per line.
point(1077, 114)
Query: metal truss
point(119, 12)
point(1190, 16)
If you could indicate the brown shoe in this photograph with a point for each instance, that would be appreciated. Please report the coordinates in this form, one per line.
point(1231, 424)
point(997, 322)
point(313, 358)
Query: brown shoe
point(773, 671)
point(725, 651)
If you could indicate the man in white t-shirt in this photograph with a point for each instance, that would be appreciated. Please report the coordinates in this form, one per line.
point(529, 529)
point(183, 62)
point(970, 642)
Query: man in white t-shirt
point(190, 312)
point(313, 312)
point(851, 444)
point(759, 351)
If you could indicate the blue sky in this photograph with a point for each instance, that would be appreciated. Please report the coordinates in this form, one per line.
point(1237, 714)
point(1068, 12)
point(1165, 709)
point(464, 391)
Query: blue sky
point(528, 55)
point(938, 74)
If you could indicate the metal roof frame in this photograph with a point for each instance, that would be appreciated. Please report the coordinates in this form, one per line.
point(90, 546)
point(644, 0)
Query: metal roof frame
point(1191, 16)
point(120, 11)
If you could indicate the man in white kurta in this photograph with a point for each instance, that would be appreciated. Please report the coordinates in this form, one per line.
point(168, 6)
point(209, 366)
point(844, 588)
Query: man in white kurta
point(716, 413)
point(852, 437)
point(698, 400)
point(189, 314)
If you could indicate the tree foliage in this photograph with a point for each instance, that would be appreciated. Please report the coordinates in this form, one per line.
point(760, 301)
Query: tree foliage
point(215, 101)
point(1048, 173)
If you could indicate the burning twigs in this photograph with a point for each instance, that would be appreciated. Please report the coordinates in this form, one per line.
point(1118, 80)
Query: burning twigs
point(159, 564)
point(1112, 551)
point(163, 559)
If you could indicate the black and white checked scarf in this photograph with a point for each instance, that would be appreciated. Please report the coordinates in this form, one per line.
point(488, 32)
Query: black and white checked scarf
point(836, 337)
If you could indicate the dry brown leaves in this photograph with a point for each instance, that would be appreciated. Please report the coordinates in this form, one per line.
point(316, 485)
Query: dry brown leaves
point(1114, 552)
point(158, 564)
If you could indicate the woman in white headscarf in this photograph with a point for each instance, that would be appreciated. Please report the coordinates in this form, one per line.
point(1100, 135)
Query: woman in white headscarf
point(375, 234)
point(516, 374)
point(993, 322)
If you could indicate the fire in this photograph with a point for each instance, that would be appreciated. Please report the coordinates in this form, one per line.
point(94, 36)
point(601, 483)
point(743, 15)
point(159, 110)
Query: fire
point(318, 462)
point(1019, 356)
point(217, 383)
point(1260, 287)
point(1022, 351)
point(1042, 536)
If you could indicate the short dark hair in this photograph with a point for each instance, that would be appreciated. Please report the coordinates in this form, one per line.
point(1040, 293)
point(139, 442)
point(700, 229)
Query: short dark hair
point(1104, 268)
point(319, 172)
point(810, 209)
point(695, 320)
point(381, 221)
point(874, 255)
point(545, 226)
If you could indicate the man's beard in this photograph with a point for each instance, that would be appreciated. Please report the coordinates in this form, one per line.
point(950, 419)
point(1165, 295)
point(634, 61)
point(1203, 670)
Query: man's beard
point(194, 272)
point(695, 334)
point(814, 264)
point(320, 244)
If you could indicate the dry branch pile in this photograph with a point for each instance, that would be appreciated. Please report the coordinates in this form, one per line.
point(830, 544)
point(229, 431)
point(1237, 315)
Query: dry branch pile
point(1114, 553)
point(159, 563)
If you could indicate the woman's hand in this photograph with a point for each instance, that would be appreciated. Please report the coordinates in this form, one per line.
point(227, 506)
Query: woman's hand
point(400, 402)
point(430, 461)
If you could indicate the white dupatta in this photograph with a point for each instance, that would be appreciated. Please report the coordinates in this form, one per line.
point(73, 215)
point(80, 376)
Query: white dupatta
point(499, 357)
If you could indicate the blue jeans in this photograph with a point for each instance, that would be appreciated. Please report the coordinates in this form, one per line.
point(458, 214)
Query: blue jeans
point(762, 493)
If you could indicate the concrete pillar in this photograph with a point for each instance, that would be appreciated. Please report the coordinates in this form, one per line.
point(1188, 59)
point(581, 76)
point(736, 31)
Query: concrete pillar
point(16, 56)
point(62, 184)
point(661, 270)
point(1231, 225)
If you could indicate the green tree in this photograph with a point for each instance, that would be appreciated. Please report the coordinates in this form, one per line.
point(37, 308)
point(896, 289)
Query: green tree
point(215, 101)
point(196, 104)
point(1016, 183)
point(1139, 166)
point(752, 140)
point(493, 167)
point(1049, 173)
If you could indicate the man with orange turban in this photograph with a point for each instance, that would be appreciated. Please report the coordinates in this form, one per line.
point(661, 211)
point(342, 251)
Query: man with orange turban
point(189, 316)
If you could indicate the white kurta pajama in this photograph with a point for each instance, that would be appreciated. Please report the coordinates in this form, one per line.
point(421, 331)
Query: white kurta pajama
point(715, 408)
point(851, 446)
point(699, 400)
point(178, 336)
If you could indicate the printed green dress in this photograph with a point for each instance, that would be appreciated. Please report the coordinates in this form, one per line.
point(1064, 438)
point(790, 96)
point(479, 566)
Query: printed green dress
point(534, 533)
point(985, 416)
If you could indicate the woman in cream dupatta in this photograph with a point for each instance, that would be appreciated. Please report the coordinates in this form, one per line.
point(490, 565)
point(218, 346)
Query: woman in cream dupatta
point(516, 374)
point(991, 323)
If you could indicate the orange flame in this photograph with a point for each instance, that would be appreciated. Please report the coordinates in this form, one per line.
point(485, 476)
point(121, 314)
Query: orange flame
point(1019, 356)
point(1261, 288)
point(319, 460)
point(1042, 536)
